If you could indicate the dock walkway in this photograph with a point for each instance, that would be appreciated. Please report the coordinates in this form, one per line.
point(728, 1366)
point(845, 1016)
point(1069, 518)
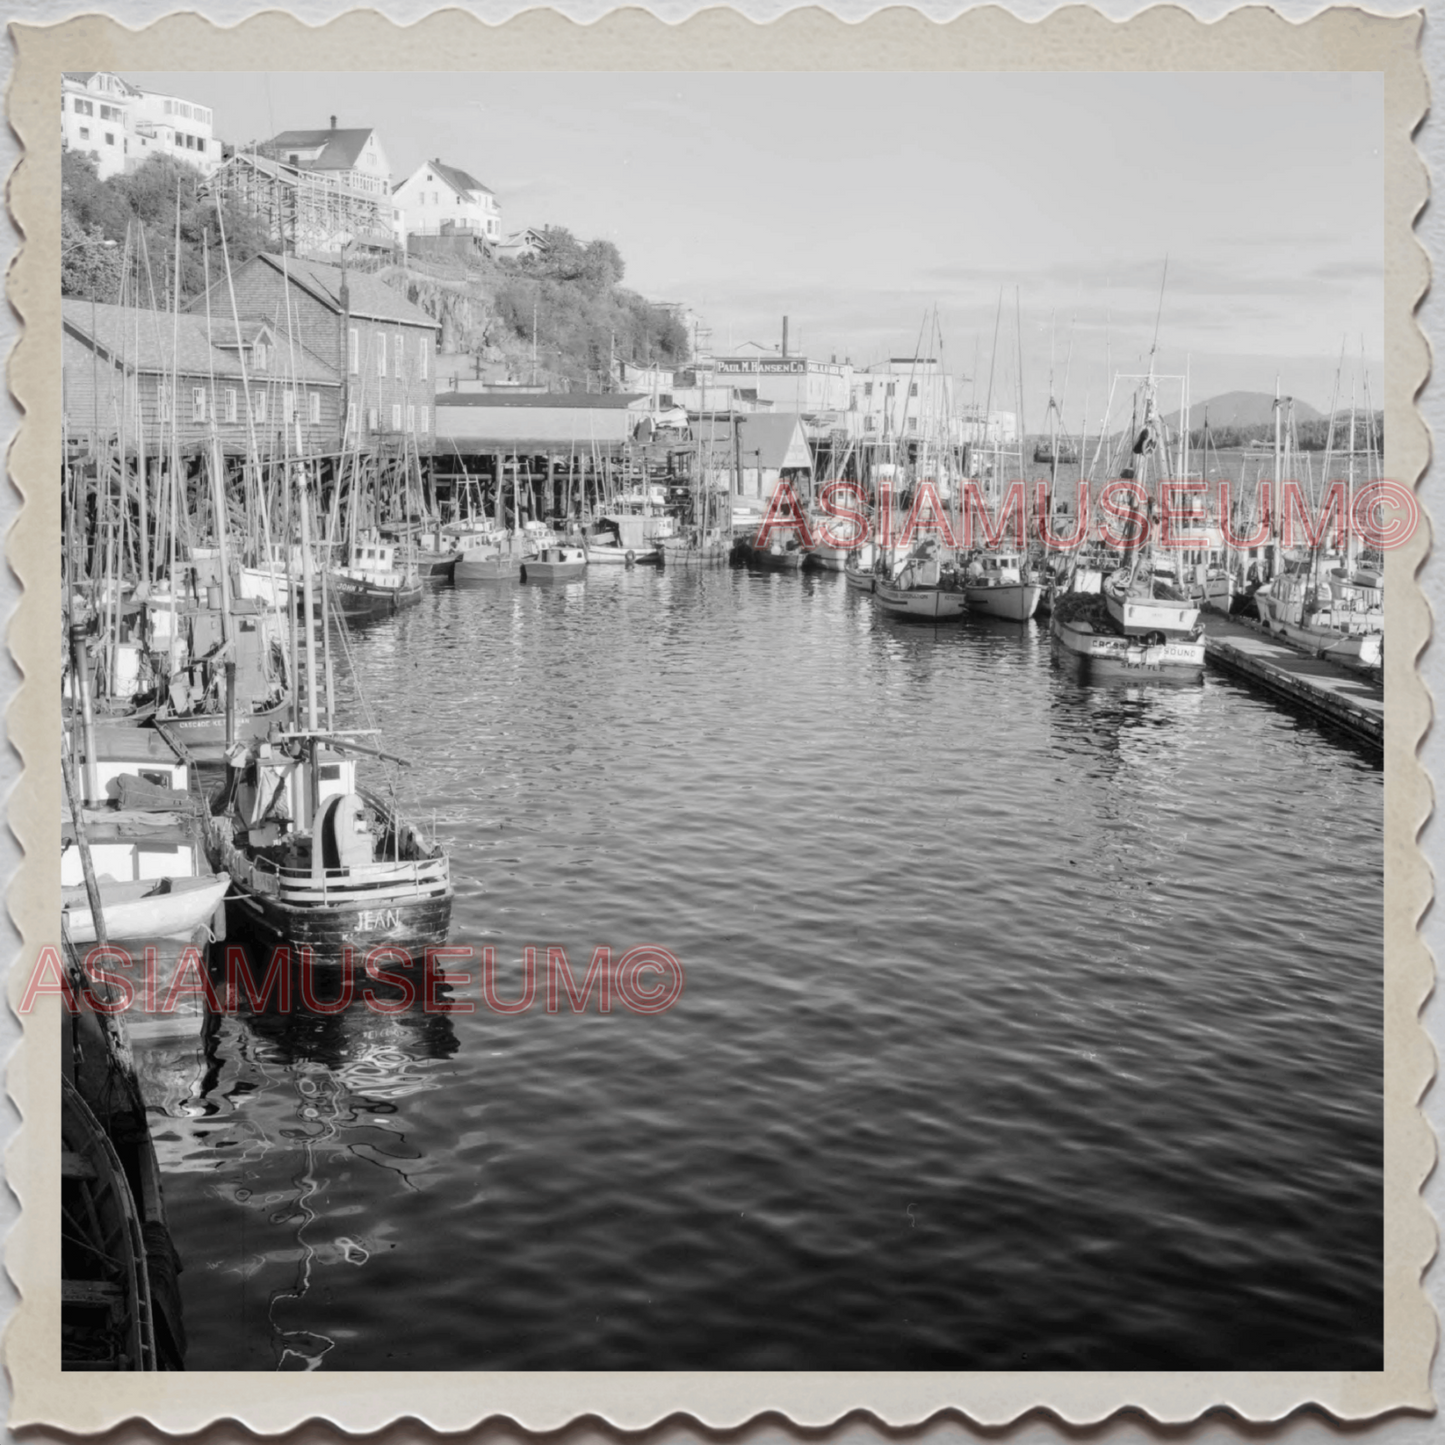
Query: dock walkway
point(1354, 701)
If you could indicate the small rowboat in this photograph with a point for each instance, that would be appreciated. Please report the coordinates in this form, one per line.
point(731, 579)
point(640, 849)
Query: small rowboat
point(145, 908)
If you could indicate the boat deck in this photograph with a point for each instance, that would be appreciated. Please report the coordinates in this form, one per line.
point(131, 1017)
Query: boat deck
point(1353, 701)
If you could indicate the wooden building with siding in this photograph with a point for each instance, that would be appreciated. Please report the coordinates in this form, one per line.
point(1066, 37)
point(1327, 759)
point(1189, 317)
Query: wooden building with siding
point(151, 380)
point(381, 345)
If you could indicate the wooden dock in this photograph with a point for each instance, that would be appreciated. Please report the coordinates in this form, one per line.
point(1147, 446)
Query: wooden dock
point(1353, 701)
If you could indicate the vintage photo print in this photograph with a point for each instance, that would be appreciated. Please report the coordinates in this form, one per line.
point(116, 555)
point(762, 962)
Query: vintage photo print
point(708, 723)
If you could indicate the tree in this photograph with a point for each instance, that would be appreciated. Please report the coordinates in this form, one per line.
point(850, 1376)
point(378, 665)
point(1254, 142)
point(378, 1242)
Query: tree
point(90, 265)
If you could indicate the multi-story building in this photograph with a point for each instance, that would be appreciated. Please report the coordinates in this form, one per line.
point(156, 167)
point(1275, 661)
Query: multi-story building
point(123, 126)
point(786, 382)
point(382, 346)
point(354, 159)
point(437, 199)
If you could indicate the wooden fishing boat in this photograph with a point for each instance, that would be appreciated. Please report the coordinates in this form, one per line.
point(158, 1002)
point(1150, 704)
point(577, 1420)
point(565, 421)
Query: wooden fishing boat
point(492, 562)
point(322, 864)
point(693, 549)
point(780, 555)
point(921, 585)
point(371, 584)
point(1082, 627)
point(1301, 605)
point(859, 572)
point(621, 539)
point(1144, 603)
point(556, 564)
point(995, 584)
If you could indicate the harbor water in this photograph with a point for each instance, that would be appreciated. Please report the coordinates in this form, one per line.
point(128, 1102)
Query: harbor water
point(1028, 1024)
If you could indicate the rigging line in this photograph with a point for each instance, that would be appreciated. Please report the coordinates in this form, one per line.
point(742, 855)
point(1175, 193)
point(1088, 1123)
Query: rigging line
point(1159, 313)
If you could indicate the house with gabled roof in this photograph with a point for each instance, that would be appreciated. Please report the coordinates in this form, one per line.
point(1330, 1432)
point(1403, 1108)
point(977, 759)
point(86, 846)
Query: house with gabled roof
point(353, 158)
point(437, 200)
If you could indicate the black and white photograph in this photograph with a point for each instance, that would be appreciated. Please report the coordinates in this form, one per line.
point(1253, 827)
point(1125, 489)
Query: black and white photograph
point(722, 721)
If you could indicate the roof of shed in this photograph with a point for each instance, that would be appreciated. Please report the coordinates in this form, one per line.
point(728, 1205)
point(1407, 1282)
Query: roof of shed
point(158, 341)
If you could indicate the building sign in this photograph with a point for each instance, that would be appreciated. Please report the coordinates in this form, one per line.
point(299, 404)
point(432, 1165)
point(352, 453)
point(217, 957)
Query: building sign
point(763, 366)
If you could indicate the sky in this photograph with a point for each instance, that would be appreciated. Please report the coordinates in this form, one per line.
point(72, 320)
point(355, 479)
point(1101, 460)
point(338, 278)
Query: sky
point(862, 205)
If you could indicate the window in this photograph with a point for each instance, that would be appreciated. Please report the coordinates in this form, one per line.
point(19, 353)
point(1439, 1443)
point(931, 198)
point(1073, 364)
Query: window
point(372, 421)
point(230, 403)
point(84, 107)
point(288, 406)
point(85, 132)
point(913, 388)
point(350, 418)
point(354, 351)
point(260, 356)
point(198, 403)
point(315, 408)
point(411, 418)
point(400, 352)
point(396, 416)
point(426, 419)
point(110, 112)
point(258, 406)
point(892, 387)
point(867, 388)
point(381, 353)
point(163, 400)
point(110, 137)
point(870, 423)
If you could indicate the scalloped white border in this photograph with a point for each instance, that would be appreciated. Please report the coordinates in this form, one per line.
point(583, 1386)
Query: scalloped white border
point(633, 1401)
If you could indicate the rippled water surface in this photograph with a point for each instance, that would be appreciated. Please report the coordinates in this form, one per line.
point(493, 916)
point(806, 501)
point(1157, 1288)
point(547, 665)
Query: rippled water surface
point(1027, 1024)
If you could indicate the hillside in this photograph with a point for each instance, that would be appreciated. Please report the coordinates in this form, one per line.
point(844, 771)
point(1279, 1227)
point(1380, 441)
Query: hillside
point(561, 316)
point(1241, 410)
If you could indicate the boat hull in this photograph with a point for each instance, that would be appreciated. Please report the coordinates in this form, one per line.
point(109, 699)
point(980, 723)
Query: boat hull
point(1110, 653)
point(535, 571)
point(862, 581)
point(136, 910)
point(1012, 601)
point(355, 597)
point(1355, 649)
point(929, 604)
point(623, 556)
point(770, 561)
point(413, 924)
point(495, 567)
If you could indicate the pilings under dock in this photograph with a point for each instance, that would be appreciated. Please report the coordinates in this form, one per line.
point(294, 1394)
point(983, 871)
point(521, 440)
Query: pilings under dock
point(1353, 701)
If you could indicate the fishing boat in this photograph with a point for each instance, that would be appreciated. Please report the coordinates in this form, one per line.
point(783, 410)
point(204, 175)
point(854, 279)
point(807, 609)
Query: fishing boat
point(488, 564)
point(695, 548)
point(1081, 625)
point(372, 584)
point(621, 539)
point(561, 563)
point(921, 585)
point(858, 571)
point(1144, 601)
point(783, 553)
point(1301, 605)
point(318, 861)
point(996, 584)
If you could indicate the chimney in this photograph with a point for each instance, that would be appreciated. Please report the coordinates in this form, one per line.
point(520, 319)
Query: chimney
point(333, 122)
point(785, 336)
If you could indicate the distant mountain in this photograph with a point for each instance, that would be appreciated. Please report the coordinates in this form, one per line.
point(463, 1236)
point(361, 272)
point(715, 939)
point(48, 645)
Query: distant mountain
point(1241, 409)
